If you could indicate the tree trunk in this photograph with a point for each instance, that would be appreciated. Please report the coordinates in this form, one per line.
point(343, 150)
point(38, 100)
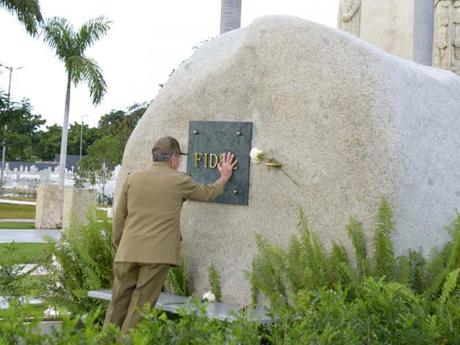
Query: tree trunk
point(63, 154)
point(230, 15)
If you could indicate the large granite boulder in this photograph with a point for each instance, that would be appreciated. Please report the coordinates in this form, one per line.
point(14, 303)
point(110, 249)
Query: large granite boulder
point(349, 122)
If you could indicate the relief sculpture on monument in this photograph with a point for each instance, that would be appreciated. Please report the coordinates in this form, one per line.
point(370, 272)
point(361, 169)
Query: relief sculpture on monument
point(457, 36)
point(446, 50)
point(349, 18)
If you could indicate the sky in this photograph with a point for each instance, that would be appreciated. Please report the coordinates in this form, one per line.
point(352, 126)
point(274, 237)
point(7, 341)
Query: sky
point(147, 40)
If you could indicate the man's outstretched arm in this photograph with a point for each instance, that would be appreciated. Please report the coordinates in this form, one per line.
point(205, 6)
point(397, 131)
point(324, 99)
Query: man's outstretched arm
point(199, 192)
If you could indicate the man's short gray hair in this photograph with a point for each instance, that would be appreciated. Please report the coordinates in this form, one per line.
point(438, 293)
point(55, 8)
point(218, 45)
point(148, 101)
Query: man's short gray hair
point(158, 156)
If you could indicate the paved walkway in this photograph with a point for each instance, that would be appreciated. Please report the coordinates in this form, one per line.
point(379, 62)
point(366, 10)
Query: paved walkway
point(17, 202)
point(28, 236)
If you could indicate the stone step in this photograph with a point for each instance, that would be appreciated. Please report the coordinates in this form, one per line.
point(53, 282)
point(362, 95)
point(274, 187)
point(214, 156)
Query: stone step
point(221, 311)
point(29, 236)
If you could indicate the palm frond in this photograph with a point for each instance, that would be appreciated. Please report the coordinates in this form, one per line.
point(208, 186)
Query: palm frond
point(91, 31)
point(85, 69)
point(58, 33)
point(27, 11)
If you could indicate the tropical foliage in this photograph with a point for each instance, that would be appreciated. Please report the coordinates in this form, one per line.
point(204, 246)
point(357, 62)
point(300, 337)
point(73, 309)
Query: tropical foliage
point(18, 128)
point(83, 262)
point(27, 12)
point(70, 46)
point(178, 279)
point(29, 139)
point(306, 265)
point(214, 282)
point(316, 296)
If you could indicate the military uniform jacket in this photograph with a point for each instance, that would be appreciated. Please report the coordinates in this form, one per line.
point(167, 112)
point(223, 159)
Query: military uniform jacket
point(146, 224)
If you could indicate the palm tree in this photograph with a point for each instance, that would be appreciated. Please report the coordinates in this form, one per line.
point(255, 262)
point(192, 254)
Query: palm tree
point(70, 46)
point(230, 15)
point(27, 11)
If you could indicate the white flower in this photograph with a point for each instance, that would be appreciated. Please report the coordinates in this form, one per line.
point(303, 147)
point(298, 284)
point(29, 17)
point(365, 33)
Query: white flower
point(209, 296)
point(256, 155)
point(50, 312)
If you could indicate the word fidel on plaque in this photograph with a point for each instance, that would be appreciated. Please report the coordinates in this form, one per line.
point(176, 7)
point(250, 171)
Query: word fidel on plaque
point(207, 141)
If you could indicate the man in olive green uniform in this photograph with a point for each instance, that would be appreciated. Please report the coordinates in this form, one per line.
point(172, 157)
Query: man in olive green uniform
point(146, 228)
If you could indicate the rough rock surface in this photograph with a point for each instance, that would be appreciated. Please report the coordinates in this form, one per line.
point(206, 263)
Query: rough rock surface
point(349, 122)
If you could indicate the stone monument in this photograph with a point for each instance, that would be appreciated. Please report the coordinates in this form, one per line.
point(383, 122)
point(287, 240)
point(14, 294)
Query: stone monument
point(349, 18)
point(230, 15)
point(348, 122)
point(48, 212)
point(446, 46)
point(400, 27)
point(77, 203)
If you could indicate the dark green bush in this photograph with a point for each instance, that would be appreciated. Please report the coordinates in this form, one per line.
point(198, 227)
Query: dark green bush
point(192, 327)
point(278, 273)
point(84, 258)
point(316, 296)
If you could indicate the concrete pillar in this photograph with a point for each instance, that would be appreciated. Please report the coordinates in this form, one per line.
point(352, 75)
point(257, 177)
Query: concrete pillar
point(48, 214)
point(77, 202)
point(400, 27)
point(230, 15)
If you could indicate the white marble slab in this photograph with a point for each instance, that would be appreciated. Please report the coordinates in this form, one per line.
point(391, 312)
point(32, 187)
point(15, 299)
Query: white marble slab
point(221, 311)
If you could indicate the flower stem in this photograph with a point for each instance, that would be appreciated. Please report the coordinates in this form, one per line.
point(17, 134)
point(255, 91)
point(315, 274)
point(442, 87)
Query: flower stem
point(293, 181)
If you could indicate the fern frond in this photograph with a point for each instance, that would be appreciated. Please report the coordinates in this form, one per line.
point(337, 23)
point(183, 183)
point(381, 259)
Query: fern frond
point(358, 240)
point(341, 270)
point(449, 285)
point(269, 273)
point(178, 279)
point(314, 254)
point(453, 260)
point(214, 282)
point(384, 262)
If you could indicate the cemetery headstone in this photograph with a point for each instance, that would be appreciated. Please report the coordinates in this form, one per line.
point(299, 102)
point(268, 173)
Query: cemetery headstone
point(341, 123)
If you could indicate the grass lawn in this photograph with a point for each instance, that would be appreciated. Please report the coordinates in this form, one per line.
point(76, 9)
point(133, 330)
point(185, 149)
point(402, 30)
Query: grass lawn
point(13, 225)
point(25, 252)
point(17, 211)
point(34, 310)
point(101, 214)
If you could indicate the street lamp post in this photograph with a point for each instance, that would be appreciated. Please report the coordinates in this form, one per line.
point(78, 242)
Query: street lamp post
point(81, 137)
point(3, 158)
point(10, 69)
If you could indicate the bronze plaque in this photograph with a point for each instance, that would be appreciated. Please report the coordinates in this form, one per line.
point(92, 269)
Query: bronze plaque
point(206, 142)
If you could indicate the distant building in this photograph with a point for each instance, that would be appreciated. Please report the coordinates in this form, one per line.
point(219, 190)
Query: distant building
point(71, 163)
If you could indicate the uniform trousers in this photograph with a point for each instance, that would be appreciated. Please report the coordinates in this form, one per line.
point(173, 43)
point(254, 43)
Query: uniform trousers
point(134, 285)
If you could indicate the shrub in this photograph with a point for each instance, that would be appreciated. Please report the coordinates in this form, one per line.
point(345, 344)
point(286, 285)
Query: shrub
point(193, 327)
point(278, 273)
point(15, 280)
point(214, 282)
point(317, 297)
point(84, 260)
